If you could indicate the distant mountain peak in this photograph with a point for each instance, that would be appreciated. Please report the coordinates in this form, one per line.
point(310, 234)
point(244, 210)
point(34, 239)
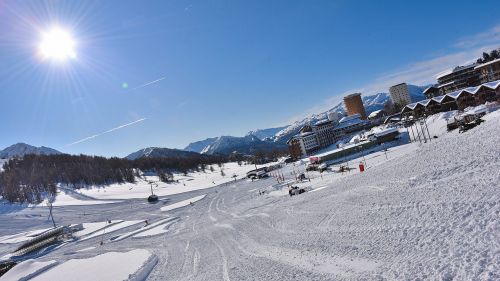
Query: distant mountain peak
point(264, 134)
point(159, 152)
point(248, 144)
point(20, 149)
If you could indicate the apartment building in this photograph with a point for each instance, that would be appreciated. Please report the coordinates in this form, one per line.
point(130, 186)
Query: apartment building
point(489, 71)
point(400, 94)
point(354, 105)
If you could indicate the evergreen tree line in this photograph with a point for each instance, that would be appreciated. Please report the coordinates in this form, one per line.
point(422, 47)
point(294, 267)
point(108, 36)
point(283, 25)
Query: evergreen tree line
point(32, 178)
point(487, 57)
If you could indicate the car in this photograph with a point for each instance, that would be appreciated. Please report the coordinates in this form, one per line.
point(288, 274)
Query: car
point(323, 167)
point(312, 167)
point(295, 190)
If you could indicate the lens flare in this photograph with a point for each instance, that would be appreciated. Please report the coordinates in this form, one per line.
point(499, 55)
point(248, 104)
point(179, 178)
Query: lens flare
point(57, 44)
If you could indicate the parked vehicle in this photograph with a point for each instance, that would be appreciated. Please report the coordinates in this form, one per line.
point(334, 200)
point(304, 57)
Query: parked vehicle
point(312, 167)
point(295, 190)
point(323, 167)
point(468, 122)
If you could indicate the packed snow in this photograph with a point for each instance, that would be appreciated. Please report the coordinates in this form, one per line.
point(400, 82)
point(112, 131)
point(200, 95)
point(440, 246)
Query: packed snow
point(145, 228)
point(91, 227)
point(157, 230)
point(112, 228)
point(21, 237)
point(27, 270)
point(112, 266)
point(419, 211)
point(64, 198)
point(182, 203)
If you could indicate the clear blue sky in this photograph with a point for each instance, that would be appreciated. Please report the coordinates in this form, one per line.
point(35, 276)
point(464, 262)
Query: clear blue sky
point(229, 66)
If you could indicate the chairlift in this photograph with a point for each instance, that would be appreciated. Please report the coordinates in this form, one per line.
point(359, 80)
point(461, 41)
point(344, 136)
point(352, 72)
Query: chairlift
point(153, 198)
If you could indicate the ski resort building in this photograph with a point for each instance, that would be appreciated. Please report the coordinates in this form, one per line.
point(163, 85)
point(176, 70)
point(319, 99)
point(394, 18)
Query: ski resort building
point(400, 94)
point(459, 78)
point(457, 100)
point(350, 124)
point(462, 77)
point(323, 134)
point(432, 91)
point(489, 71)
point(354, 105)
point(345, 151)
point(304, 143)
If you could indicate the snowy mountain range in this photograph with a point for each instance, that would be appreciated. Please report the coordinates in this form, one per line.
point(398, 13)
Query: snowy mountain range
point(276, 137)
point(199, 146)
point(21, 149)
point(264, 134)
point(158, 152)
point(248, 144)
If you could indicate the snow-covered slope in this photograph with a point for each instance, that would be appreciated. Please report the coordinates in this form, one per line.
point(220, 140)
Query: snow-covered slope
point(417, 92)
point(198, 146)
point(246, 145)
point(264, 134)
point(21, 149)
point(158, 152)
point(417, 212)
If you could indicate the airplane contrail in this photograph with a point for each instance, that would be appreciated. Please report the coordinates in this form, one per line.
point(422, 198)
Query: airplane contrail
point(108, 131)
point(149, 83)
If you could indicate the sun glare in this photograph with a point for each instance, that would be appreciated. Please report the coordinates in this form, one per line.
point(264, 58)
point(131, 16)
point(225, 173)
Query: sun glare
point(57, 44)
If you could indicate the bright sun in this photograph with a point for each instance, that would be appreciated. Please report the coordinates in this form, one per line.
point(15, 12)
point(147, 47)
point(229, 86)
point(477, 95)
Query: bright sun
point(57, 44)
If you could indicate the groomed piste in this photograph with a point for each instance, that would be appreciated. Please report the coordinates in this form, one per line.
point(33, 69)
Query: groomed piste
point(418, 211)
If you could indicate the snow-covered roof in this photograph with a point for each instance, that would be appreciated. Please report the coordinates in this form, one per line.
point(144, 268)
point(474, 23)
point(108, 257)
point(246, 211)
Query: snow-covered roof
point(455, 94)
point(445, 84)
point(350, 122)
point(352, 95)
point(492, 85)
point(472, 90)
point(374, 113)
point(322, 122)
point(305, 134)
point(412, 105)
point(458, 68)
point(444, 73)
point(425, 102)
point(488, 63)
point(428, 88)
point(438, 98)
point(350, 117)
point(385, 132)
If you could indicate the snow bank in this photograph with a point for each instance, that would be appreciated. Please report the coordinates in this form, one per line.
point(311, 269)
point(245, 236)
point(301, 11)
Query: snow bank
point(27, 270)
point(64, 199)
point(182, 203)
point(21, 237)
point(158, 230)
point(91, 227)
point(132, 265)
point(113, 228)
point(142, 229)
